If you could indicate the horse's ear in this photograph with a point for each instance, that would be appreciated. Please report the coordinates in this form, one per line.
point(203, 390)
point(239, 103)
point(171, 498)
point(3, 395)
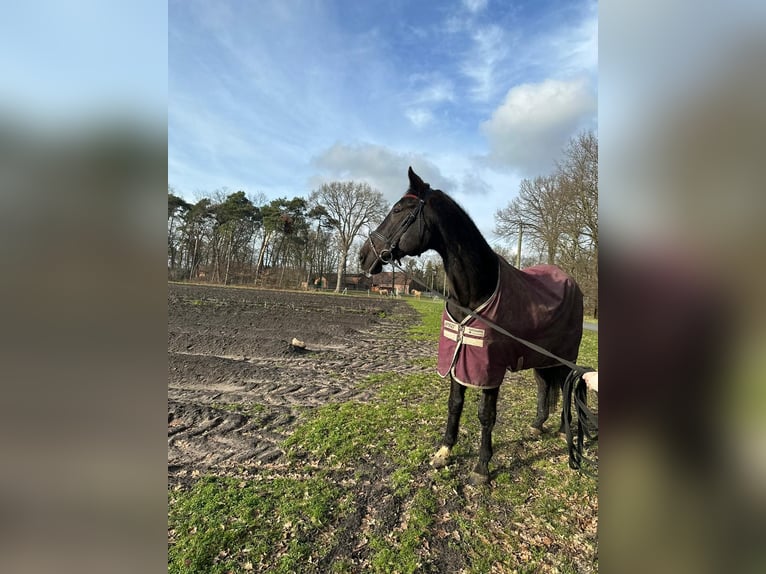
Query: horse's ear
point(416, 184)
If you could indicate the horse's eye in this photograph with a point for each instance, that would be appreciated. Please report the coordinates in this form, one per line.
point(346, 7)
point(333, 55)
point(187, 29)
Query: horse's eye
point(396, 209)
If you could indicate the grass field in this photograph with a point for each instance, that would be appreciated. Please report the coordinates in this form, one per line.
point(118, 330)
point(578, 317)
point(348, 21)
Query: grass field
point(355, 492)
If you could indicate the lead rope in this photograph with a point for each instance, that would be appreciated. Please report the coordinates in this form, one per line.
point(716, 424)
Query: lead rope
point(587, 422)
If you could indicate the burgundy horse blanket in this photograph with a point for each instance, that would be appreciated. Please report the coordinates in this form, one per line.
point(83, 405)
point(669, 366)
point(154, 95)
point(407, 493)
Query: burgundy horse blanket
point(540, 304)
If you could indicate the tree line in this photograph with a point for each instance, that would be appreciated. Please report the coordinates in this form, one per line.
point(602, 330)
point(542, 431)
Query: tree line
point(556, 216)
point(286, 243)
point(233, 238)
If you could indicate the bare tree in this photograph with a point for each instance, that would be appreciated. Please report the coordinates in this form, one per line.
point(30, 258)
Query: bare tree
point(541, 208)
point(350, 206)
point(578, 173)
point(558, 214)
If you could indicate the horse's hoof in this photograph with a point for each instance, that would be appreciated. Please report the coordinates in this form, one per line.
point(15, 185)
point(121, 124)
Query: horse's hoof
point(478, 479)
point(534, 431)
point(441, 458)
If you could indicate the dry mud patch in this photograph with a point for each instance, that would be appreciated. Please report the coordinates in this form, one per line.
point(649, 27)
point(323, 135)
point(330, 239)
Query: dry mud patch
point(236, 387)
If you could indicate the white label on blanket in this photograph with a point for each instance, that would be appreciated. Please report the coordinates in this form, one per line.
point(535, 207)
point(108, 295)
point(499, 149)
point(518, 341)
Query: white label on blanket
point(467, 330)
point(473, 341)
point(453, 336)
point(473, 331)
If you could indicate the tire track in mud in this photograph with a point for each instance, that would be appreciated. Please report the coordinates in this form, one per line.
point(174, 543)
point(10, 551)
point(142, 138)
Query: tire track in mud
point(237, 388)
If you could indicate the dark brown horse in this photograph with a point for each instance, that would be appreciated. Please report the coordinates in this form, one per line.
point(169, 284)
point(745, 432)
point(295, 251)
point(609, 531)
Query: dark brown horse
point(542, 305)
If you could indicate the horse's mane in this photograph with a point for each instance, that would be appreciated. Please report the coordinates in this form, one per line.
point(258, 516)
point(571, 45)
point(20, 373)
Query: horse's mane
point(467, 228)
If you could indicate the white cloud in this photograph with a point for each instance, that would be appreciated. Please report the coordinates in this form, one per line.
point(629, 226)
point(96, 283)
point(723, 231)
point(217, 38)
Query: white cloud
point(575, 49)
point(426, 92)
point(533, 124)
point(381, 167)
point(515, 46)
point(432, 88)
point(420, 117)
point(475, 5)
point(473, 184)
point(489, 49)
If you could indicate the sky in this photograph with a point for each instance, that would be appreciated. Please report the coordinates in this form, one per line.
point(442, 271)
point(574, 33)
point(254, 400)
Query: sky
point(278, 97)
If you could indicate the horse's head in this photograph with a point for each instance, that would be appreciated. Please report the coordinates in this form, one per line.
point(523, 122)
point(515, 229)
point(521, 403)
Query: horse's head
point(403, 232)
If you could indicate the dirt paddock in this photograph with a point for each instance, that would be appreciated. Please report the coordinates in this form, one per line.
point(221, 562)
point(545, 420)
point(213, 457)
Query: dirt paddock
point(230, 347)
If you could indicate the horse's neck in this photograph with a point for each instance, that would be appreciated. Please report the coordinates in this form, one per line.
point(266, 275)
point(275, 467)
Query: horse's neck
point(469, 262)
point(472, 280)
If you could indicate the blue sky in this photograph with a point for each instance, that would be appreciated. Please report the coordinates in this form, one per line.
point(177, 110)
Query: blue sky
point(278, 97)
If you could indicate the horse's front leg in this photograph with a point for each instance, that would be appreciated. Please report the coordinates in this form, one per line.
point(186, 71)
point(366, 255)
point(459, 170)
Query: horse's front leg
point(487, 417)
point(454, 410)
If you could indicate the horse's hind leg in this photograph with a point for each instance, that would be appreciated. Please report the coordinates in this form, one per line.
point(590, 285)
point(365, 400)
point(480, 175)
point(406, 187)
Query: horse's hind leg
point(487, 417)
point(549, 383)
point(455, 409)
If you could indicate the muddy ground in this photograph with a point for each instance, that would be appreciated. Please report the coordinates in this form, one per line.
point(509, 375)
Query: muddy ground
point(231, 347)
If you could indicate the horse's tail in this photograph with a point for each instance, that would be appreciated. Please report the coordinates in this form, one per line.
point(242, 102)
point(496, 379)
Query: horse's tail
point(575, 388)
point(551, 398)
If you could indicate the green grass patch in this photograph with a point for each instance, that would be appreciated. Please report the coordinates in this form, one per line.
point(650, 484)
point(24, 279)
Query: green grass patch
point(399, 425)
point(224, 524)
point(399, 551)
point(430, 320)
point(588, 356)
point(399, 430)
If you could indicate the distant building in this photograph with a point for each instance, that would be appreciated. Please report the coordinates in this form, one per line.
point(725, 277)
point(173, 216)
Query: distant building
point(403, 285)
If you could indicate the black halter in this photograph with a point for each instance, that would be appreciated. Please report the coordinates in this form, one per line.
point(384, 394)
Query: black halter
point(391, 243)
